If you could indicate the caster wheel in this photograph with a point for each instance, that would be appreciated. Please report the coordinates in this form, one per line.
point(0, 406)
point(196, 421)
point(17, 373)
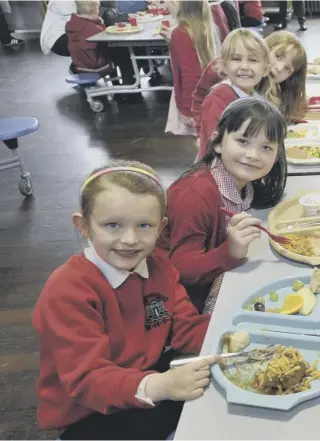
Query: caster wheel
point(96, 106)
point(25, 187)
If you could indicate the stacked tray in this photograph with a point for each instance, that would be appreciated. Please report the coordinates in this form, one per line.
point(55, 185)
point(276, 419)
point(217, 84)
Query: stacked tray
point(265, 328)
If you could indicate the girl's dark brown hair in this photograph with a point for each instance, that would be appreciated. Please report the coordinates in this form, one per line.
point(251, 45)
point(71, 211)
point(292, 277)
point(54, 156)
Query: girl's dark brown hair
point(134, 182)
point(293, 89)
point(261, 115)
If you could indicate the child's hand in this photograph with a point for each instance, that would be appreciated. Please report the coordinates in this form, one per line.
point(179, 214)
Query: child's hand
point(166, 32)
point(184, 383)
point(241, 232)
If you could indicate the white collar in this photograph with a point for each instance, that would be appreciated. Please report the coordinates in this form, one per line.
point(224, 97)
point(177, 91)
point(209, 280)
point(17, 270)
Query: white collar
point(239, 92)
point(114, 276)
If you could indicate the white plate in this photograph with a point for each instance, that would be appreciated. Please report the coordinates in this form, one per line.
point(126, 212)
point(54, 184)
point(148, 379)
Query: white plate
point(147, 18)
point(303, 142)
point(313, 131)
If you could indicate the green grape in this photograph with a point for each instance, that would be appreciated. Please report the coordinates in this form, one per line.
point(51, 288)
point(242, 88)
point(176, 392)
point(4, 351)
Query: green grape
point(273, 296)
point(248, 308)
point(297, 284)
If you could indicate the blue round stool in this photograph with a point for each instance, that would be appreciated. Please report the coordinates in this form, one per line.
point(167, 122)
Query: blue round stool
point(10, 130)
point(83, 79)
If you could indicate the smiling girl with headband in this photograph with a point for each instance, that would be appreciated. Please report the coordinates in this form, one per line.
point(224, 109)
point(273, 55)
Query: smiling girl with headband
point(105, 317)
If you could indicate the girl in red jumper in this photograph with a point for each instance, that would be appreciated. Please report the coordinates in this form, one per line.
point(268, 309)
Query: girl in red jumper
point(105, 317)
point(244, 166)
point(288, 70)
point(245, 62)
point(194, 42)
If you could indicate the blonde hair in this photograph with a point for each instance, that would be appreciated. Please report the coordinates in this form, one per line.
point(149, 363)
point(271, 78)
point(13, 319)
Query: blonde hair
point(87, 7)
point(255, 44)
point(135, 182)
point(197, 18)
point(293, 89)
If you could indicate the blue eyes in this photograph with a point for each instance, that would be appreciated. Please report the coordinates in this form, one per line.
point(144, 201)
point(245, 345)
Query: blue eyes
point(115, 226)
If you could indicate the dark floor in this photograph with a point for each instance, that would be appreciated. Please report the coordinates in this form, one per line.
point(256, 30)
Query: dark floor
point(36, 235)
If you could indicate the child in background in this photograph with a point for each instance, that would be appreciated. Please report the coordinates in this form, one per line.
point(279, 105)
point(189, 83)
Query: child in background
point(89, 56)
point(245, 165)
point(105, 317)
point(245, 62)
point(194, 42)
point(251, 13)
point(288, 69)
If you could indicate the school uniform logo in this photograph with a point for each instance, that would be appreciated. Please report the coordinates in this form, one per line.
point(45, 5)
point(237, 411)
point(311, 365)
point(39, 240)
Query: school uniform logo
point(156, 313)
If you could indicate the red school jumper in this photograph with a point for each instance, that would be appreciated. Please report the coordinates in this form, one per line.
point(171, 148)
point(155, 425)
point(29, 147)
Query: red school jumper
point(212, 108)
point(195, 236)
point(97, 343)
point(210, 77)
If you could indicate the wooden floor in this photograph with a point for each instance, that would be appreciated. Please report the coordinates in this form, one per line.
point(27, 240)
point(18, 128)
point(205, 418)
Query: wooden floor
point(36, 235)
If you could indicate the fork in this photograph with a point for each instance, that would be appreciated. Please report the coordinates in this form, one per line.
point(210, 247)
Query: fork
point(275, 237)
point(252, 354)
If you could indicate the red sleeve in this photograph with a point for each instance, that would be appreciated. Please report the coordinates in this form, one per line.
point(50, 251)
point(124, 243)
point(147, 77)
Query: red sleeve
point(212, 109)
point(191, 220)
point(73, 328)
point(220, 21)
point(209, 78)
point(186, 69)
point(188, 327)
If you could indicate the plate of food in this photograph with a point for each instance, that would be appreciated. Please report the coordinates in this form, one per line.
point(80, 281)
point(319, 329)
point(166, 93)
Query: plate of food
point(147, 16)
point(303, 131)
point(124, 29)
point(282, 373)
point(313, 70)
point(307, 153)
point(298, 218)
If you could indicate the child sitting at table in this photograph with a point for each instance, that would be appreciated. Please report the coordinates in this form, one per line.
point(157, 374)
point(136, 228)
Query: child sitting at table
point(194, 43)
point(89, 56)
point(105, 317)
point(245, 165)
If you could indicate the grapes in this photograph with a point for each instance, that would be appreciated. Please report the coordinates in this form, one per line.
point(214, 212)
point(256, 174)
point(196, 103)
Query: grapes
point(273, 296)
point(297, 284)
point(260, 307)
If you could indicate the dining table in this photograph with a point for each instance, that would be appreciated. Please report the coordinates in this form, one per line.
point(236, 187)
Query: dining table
point(211, 416)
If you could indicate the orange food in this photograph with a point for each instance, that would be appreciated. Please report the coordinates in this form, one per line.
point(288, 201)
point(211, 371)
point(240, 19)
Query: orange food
point(291, 305)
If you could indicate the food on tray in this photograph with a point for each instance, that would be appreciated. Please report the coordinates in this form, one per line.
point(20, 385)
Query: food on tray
point(303, 301)
point(286, 373)
point(236, 341)
point(292, 304)
point(297, 284)
point(309, 301)
point(299, 245)
point(273, 296)
point(313, 69)
point(301, 133)
point(303, 152)
point(126, 29)
point(315, 281)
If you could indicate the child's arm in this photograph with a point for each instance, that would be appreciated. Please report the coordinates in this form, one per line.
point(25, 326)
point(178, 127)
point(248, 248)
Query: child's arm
point(191, 222)
point(75, 331)
point(186, 69)
point(212, 109)
point(209, 78)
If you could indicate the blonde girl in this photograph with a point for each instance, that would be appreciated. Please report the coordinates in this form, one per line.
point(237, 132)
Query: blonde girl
point(288, 68)
point(105, 316)
point(194, 42)
point(289, 71)
point(245, 62)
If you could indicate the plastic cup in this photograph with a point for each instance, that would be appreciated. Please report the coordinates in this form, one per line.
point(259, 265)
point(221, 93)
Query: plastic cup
point(133, 21)
point(311, 204)
point(166, 23)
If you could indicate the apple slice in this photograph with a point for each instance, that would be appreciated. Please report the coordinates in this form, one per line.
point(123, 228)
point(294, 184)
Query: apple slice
point(309, 301)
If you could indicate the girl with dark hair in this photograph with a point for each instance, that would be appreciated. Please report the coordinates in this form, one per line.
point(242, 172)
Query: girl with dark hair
point(244, 166)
